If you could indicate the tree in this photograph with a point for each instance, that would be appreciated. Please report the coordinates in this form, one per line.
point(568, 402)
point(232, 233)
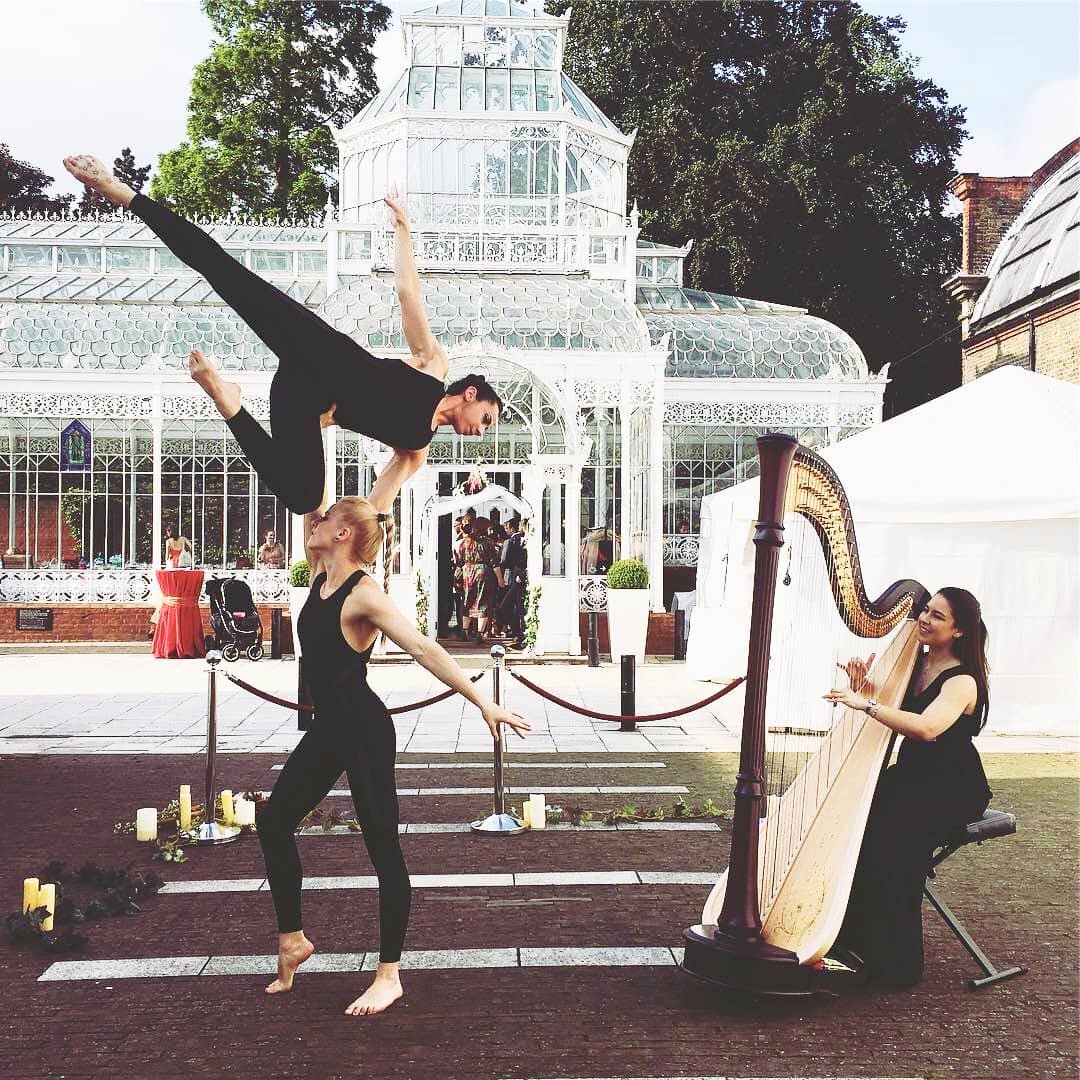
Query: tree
point(124, 168)
point(257, 140)
point(22, 187)
point(795, 145)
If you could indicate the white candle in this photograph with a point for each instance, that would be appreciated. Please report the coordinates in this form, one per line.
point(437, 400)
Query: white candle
point(537, 812)
point(47, 899)
point(146, 823)
point(226, 807)
point(243, 811)
point(526, 812)
point(185, 807)
point(29, 893)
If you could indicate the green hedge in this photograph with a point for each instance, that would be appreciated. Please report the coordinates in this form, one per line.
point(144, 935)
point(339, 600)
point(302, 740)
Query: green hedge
point(628, 574)
point(300, 574)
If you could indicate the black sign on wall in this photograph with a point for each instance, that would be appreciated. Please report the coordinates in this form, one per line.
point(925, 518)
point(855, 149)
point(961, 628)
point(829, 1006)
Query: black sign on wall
point(34, 618)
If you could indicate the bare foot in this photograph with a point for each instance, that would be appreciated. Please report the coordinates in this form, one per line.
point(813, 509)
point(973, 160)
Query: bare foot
point(290, 957)
point(379, 996)
point(225, 395)
point(90, 171)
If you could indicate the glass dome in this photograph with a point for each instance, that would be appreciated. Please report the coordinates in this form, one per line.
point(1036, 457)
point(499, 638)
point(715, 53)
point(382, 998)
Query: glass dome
point(719, 336)
point(125, 337)
point(1041, 248)
point(516, 311)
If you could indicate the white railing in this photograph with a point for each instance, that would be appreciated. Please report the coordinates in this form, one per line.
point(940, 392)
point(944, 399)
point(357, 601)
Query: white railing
point(127, 586)
point(592, 592)
point(681, 549)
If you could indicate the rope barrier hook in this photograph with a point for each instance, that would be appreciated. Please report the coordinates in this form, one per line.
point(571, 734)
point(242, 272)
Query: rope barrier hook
point(498, 822)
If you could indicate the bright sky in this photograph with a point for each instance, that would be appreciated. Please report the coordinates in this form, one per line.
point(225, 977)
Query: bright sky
point(78, 77)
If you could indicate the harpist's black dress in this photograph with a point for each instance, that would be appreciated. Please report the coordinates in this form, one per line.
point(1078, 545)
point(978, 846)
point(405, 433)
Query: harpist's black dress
point(934, 789)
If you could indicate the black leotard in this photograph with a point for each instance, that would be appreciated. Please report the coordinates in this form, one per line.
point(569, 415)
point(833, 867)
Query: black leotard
point(318, 366)
point(934, 789)
point(352, 732)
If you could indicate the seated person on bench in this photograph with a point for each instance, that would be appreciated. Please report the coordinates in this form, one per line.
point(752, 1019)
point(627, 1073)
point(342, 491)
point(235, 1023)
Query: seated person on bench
point(936, 787)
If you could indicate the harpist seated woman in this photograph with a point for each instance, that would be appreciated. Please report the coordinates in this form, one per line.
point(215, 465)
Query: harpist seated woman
point(935, 788)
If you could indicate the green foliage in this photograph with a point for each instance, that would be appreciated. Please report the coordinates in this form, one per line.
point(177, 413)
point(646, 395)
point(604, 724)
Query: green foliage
point(628, 574)
point(421, 604)
point(22, 188)
point(798, 149)
point(257, 136)
point(300, 574)
point(532, 617)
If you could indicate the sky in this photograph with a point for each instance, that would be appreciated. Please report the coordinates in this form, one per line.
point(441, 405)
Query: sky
point(78, 77)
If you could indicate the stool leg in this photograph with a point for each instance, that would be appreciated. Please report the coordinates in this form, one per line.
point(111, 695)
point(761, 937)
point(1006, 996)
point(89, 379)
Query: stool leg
point(954, 924)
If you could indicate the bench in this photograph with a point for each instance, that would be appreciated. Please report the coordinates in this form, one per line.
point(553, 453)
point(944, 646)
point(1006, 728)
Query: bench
point(992, 824)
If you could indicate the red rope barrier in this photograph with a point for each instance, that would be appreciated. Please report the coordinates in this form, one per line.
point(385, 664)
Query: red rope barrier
point(301, 706)
point(630, 716)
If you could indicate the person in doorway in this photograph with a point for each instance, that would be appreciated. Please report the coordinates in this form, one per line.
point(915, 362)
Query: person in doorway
point(458, 579)
point(272, 552)
point(478, 558)
point(513, 564)
point(345, 612)
point(936, 787)
point(323, 376)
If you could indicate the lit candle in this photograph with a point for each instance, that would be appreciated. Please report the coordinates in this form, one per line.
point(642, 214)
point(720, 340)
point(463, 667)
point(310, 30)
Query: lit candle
point(29, 893)
point(47, 898)
point(537, 812)
point(226, 807)
point(243, 812)
point(146, 823)
point(526, 813)
point(185, 807)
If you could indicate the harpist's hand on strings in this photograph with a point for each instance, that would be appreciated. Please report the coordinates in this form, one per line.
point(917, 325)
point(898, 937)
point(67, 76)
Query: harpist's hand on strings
point(844, 696)
point(395, 200)
point(857, 670)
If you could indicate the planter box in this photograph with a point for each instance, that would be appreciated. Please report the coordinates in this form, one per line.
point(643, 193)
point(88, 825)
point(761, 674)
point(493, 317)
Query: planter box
point(628, 622)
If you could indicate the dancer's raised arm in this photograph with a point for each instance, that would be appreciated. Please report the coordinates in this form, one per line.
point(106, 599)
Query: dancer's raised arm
point(427, 353)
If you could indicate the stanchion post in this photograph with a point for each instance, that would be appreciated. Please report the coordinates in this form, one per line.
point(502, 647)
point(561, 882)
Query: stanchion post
point(499, 822)
point(627, 703)
point(210, 832)
point(679, 648)
point(593, 644)
point(275, 633)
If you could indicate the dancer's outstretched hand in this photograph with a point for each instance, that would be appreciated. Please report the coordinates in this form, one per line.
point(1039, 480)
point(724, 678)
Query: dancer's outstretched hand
point(395, 200)
point(494, 715)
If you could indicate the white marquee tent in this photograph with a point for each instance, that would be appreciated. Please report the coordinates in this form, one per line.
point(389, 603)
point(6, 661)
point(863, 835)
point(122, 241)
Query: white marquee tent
point(979, 488)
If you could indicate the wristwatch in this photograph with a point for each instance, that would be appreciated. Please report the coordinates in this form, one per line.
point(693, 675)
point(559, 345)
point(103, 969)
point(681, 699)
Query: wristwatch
point(872, 707)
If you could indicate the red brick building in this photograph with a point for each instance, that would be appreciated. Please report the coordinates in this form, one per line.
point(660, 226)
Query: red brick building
point(1019, 283)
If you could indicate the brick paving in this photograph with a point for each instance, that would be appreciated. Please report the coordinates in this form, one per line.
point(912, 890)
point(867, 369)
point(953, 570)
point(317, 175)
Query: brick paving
point(1017, 895)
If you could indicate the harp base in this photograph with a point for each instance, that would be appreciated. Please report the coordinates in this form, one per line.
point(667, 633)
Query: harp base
point(747, 968)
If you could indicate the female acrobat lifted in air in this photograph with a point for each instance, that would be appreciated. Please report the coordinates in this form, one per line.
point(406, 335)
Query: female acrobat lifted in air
point(323, 376)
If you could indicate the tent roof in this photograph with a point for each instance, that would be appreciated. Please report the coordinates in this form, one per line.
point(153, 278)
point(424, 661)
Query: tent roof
point(1002, 448)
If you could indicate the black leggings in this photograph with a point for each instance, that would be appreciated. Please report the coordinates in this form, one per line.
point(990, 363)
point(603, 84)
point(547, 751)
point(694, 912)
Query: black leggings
point(314, 360)
point(364, 746)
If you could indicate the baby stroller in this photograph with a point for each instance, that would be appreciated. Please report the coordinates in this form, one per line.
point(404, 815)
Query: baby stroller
point(235, 618)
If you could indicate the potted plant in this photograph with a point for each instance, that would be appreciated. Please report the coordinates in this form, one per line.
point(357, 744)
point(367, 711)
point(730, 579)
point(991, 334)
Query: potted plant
point(299, 584)
point(628, 608)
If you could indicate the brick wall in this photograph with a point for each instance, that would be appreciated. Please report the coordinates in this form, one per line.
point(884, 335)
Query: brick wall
point(42, 536)
point(110, 622)
point(1057, 345)
point(990, 204)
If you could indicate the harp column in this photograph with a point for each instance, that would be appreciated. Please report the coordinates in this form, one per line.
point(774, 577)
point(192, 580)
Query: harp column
point(740, 917)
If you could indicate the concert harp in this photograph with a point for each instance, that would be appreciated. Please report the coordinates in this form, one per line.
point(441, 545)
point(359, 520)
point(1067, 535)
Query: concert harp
point(800, 815)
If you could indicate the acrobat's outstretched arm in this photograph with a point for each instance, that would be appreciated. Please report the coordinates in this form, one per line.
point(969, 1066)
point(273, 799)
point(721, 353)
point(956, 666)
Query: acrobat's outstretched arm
point(429, 354)
point(398, 469)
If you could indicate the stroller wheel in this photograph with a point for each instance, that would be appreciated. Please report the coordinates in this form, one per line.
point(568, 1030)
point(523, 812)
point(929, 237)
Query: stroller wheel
point(255, 652)
point(230, 652)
